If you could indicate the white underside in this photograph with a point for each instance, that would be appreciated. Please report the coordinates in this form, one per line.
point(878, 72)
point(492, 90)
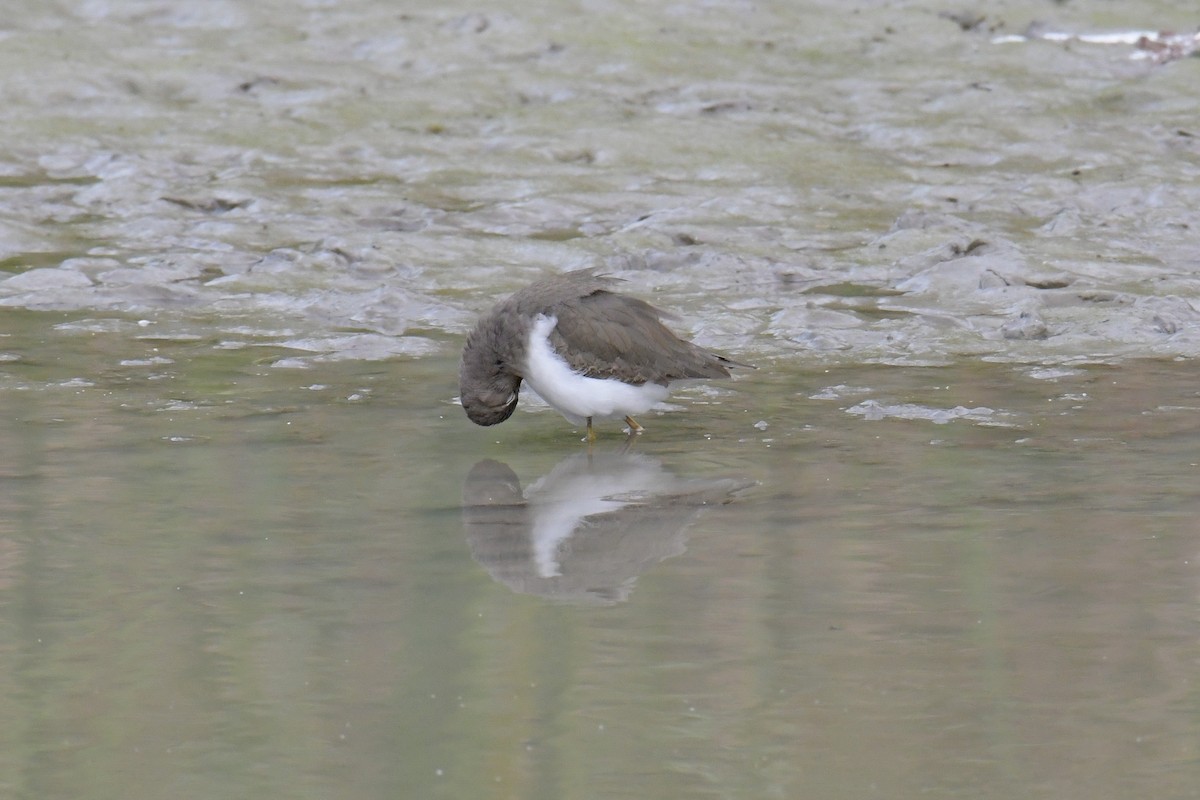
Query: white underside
point(575, 396)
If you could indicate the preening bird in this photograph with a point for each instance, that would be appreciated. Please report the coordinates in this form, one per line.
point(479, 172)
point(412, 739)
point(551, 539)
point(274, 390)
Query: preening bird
point(588, 351)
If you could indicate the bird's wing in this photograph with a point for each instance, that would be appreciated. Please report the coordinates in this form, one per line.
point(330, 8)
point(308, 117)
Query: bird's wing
point(606, 335)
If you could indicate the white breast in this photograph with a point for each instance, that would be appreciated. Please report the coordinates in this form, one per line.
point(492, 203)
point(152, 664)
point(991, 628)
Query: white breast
point(576, 396)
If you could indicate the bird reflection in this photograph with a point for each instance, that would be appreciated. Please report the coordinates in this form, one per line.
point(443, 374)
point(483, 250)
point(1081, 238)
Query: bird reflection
point(584, 531)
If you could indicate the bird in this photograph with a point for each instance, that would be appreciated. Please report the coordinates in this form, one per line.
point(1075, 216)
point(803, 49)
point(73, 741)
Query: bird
point(590, 352)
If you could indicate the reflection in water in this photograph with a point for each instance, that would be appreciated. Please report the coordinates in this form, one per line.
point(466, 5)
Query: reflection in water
point(584, 531)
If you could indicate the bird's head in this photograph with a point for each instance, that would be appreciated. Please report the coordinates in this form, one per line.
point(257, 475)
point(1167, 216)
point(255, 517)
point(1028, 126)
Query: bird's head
point(487, 385)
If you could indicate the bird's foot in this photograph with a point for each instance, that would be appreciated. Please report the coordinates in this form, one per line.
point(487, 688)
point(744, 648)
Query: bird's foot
point(634, 428)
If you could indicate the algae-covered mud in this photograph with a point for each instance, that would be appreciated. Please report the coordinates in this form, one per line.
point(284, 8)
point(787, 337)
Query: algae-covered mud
point(882, 182)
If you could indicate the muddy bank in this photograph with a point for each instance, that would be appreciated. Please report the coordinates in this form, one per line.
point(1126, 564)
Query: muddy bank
point(352, 181)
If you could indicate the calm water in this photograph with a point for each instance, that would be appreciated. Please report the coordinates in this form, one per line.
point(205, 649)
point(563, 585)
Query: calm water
point(266, 583)
point(942, 543)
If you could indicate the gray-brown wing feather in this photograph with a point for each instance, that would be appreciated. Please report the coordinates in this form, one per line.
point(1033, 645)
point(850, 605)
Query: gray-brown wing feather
point(606, 335)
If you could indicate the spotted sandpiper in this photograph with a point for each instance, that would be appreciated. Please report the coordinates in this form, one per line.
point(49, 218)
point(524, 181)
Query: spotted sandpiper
point(586, 350)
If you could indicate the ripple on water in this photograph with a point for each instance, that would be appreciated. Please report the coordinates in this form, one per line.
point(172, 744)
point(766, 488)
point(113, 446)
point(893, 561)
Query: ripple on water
point(875, 410)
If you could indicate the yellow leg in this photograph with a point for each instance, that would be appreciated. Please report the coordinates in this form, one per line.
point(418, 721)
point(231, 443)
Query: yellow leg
point(591, 434)
point(634, 428)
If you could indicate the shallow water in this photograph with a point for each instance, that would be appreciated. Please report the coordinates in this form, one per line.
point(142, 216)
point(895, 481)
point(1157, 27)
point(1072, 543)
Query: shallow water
point(287, 581)
point(942, 542)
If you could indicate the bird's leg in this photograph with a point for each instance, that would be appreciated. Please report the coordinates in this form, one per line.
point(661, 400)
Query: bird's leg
point(634, 428)
point(591, 434)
